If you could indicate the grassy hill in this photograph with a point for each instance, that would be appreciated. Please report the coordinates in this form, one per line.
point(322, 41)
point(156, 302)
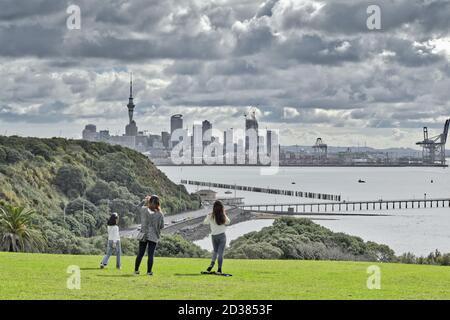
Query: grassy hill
point(29, 170)
point(85, 180)
point(41, 276)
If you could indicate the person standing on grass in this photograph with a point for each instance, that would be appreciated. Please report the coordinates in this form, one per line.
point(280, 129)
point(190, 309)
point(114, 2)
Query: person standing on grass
point(152, 220)
point(113, 241)
point(218, 221)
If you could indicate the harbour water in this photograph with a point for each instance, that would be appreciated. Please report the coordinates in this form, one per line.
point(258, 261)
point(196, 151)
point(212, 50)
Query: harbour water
point(419, 231)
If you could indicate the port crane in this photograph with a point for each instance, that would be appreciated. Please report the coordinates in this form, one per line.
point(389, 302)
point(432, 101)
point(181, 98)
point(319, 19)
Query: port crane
point(433, 148)
point(320, 149)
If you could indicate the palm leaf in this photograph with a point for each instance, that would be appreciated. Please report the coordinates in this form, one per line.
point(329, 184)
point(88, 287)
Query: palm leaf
point(17, 232)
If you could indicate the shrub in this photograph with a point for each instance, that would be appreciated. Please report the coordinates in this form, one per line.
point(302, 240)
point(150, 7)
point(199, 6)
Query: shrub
point(3, 155)
point(40, 149)
point(256, 251)
point(176, 246)
point(294, 238)
point(70, 180)
point(408, 258)
point(13, 156)
point(115, 167)
point(102, 190)
point(127, 210)
point(77, 205)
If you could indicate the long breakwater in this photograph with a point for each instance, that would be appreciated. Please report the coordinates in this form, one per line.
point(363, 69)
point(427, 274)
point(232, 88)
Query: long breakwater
point(292, 193)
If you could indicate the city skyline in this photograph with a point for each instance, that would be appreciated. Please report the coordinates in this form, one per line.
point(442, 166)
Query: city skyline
point(322, 74)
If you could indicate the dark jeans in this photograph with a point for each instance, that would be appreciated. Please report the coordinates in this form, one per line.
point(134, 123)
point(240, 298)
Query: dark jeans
point(219, 241)
point(150, 246)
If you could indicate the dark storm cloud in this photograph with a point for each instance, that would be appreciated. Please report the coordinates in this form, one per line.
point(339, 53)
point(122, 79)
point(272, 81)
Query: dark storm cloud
point(54, 112)
point(29, 40)
point(107, 31)
point(252, 38)
point(110, 47)
point(19, 9)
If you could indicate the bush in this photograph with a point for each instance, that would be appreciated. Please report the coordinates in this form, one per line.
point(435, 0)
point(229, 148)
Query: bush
point(70, 180)
point(115, 167)
point(127, 210)
point(40, 149)
point(176, 246)
point(102, 190)
point(407, 258)
point(294, 238)
point(13, 156)
point(3, 155)
point(256, 251)
point(77, 205)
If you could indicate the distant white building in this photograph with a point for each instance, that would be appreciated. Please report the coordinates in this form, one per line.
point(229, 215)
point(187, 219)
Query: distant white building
point(207, 195)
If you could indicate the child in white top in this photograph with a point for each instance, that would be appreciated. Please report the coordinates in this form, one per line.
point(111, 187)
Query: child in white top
point(113, 242)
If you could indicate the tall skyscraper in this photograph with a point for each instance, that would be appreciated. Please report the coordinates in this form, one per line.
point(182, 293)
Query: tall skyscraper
point(251, 138)
point(165, 137)
point(176, 122)
point(269, 142)
point(197, 144)
point(229, 146)
point(206, 132)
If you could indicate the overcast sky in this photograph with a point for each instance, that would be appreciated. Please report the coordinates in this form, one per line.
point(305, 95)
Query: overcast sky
point(312, 68)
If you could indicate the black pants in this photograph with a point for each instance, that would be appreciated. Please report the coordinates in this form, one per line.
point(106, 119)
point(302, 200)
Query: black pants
point(151, 246)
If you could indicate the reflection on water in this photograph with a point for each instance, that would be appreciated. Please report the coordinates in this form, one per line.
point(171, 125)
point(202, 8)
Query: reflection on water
point(419, 231)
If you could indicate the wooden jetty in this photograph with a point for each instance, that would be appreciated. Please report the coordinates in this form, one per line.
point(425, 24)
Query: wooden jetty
point(346, 206)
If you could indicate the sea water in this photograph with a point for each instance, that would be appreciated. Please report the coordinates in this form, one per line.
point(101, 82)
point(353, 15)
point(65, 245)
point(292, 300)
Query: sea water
point(419, 231)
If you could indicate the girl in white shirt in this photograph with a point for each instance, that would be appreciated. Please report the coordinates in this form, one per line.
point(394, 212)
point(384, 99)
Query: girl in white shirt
point(113, 241)
point(218, 221)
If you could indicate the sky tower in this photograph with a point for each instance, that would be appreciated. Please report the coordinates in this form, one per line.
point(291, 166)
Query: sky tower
point(131, 128)
point(130, 104)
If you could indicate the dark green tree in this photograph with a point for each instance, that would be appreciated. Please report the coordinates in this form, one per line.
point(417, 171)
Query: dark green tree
point(70, 180)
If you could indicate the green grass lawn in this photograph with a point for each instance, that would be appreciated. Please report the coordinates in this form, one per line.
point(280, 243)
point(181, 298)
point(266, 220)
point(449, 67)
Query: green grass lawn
point(42, 276)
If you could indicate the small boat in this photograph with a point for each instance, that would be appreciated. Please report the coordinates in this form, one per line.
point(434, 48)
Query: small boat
point(361, 181)
point(293, 182)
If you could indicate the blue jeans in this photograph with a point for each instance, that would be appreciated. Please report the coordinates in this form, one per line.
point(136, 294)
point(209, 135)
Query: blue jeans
point(109, 253)
point(219, 242)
